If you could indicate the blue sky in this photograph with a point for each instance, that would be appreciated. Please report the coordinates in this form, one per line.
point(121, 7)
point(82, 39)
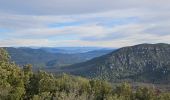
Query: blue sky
point(101, 23)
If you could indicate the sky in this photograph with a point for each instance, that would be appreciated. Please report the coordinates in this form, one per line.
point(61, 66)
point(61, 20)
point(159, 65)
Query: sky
point(77, 23)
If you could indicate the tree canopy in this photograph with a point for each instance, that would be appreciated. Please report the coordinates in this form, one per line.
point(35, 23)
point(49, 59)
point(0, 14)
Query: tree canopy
point(22, 84)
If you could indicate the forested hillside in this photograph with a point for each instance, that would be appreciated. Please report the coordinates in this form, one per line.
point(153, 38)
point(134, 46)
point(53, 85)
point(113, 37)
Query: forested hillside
point(41, 58)
point(142, 63)
point(22, 84)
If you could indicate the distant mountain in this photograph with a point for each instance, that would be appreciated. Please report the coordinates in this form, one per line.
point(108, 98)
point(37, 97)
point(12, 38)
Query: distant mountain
point(44, 59)
point(69, 59)
point(72, 50)
point(144, 63)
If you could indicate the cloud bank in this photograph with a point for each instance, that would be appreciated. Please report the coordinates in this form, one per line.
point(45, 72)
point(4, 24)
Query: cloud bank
point(108, 23)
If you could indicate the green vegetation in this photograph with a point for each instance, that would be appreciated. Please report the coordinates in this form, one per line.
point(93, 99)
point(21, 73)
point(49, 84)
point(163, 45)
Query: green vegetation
point(40, 58)
point(23, 84)
point(148, 63)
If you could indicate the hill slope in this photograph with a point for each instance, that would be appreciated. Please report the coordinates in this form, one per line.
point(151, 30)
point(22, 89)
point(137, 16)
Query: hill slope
point(144, 62)
point(42, 58)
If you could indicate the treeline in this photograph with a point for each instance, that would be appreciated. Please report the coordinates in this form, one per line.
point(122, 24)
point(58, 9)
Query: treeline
point(23, 84)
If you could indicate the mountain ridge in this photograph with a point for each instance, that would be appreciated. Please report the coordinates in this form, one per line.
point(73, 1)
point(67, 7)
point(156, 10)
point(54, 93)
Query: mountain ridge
point(143, 62)
point(42, 58)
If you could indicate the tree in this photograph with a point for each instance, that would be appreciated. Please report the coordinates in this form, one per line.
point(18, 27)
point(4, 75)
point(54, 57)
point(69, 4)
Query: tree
point(4, 57)
point(124, 90)
point(144, 93)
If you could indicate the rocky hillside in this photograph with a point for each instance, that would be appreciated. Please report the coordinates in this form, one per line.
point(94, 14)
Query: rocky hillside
point(144, 63)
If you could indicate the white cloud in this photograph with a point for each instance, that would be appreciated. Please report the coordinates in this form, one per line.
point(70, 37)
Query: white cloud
point(100, 22)
point(76, 6)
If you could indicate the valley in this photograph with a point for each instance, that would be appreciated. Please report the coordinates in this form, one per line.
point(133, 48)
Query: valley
point(145, 63)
